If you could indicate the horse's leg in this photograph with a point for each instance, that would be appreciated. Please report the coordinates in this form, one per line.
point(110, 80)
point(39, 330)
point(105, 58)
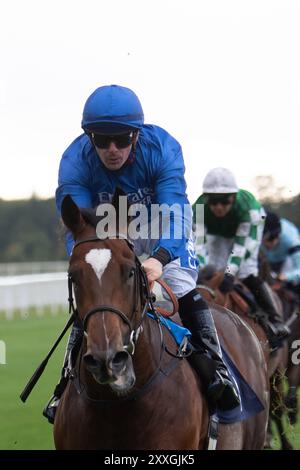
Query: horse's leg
point(245, 350)
point(269, 436)
point(285, 443)
point(293, 376)
point(230, 436)
point(278, 408)
point(291, 400)
point(241, 435)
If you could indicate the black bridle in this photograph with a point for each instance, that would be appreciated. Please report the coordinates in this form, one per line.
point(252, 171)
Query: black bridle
point(146, 300)
point(160, 372)
point(145, 296)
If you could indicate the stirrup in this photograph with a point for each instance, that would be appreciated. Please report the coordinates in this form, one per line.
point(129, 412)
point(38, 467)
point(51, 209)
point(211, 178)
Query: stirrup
point(282, 330)
point(50, 409)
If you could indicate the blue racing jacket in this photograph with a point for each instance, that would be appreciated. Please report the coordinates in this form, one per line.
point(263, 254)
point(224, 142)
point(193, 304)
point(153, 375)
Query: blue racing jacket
point(155, 174)
point(288, 248)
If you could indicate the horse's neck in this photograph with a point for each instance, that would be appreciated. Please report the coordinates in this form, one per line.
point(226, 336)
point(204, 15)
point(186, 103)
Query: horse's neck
point(215, 295)
point(222, 299)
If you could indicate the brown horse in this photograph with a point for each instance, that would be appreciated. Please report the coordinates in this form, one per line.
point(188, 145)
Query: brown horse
point(126, 391)
point(290, 307)
point(276, 362)
point(292, 317)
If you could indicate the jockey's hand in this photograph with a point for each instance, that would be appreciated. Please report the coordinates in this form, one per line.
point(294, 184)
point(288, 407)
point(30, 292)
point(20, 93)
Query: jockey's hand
point(227, 284)
point(281, 277)
point(153, 269)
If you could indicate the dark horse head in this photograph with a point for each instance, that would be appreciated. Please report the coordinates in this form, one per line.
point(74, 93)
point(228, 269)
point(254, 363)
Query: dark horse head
point(106, 276)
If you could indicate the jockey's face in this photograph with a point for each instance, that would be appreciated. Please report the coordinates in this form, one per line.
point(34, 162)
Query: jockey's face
point(271, 244)
point(221, 208)
point(113, 156)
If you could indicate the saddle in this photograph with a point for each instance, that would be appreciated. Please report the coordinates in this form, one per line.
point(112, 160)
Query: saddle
point(250, 402)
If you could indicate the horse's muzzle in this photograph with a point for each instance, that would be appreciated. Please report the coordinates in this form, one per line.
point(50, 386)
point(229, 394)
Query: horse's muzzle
point(116, 370)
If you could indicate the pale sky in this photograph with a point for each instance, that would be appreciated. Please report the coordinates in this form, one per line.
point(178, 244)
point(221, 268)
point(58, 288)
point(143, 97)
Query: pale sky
point(222, 76)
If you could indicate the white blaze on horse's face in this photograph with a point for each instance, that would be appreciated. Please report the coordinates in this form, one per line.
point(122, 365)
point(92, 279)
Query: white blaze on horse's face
point(98, 259)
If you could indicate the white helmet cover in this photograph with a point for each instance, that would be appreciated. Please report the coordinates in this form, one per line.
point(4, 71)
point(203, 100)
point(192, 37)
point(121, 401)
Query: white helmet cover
point(219, 181)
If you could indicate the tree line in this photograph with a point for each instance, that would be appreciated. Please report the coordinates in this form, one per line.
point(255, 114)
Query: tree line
point(30, 230)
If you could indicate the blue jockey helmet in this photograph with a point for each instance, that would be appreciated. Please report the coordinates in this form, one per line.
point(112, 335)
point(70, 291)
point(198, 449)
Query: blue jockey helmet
point(112, 109)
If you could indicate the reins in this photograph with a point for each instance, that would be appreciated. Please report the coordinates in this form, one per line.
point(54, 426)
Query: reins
point(146, 299)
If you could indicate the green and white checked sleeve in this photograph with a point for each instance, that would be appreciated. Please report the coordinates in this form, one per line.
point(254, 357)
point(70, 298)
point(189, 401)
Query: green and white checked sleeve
point(246, 240)
point(201, 253)
point(201, 249)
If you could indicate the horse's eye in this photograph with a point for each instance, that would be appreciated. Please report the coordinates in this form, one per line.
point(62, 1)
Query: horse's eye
point(131, 272)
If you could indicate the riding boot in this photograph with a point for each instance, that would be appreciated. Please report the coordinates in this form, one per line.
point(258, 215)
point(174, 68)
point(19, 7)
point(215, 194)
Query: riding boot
point(73, 344)
point(196, 316)
point(263, 297)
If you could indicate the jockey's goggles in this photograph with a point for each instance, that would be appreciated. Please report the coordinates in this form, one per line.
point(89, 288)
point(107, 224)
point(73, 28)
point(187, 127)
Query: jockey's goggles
point(214, 199)
point(121, 141)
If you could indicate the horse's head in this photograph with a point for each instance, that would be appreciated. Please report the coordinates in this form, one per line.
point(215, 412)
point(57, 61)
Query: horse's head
point(106, 278)
point(209, 276)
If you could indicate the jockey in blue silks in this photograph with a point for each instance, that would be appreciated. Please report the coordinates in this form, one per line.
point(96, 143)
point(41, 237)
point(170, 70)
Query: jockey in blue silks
point(281, 246)
point(117, 150)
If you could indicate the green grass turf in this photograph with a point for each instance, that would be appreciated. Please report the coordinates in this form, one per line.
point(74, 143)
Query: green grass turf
point(27, 341)
point(292, 432)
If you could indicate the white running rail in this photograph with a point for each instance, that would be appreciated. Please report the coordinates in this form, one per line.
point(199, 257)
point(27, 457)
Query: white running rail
point(33, 290)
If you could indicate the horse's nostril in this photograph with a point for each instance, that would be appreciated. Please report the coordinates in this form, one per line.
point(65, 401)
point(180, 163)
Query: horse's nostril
point(119, 361)
point(90, 361)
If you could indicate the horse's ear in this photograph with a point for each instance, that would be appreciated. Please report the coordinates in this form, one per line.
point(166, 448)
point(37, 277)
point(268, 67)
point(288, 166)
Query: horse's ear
point(71, 215)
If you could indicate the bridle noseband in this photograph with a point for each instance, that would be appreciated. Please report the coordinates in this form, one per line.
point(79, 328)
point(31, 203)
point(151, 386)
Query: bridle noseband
point(142, 292)
point(146, 297)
